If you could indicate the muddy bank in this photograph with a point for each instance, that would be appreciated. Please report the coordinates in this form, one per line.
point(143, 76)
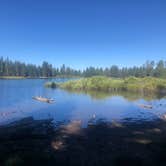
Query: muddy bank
point(39, 142)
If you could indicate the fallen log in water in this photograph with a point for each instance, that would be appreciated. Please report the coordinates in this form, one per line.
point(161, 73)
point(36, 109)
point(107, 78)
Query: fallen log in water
point(43, 99)
point(145, 106)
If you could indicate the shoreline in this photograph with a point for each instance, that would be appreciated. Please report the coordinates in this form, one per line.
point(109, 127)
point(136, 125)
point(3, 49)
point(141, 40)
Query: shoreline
point(20, 77)
point(112, 143)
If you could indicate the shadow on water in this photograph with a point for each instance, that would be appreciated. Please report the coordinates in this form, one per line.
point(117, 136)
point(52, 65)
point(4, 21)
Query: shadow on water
point(128, 95)
point(40, 142)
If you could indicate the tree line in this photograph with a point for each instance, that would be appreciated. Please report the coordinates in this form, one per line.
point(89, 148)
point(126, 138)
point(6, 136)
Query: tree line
point(150, 68)
point(16, 68)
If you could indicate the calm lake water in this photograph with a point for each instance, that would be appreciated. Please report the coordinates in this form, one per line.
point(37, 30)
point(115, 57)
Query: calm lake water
point(16, 103)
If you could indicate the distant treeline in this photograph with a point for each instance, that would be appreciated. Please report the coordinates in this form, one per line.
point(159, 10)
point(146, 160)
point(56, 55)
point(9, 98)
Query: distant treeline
point(16, 68)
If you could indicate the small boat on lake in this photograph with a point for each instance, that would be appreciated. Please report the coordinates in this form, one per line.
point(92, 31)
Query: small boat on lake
point(43, 99)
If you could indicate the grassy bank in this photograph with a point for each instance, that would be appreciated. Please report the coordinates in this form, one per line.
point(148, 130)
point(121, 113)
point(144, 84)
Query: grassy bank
point(21, 77)
point(99, 83)
point(12, 77)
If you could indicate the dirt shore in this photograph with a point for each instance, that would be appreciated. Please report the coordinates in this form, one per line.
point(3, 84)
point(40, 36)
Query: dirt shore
point(39, 142)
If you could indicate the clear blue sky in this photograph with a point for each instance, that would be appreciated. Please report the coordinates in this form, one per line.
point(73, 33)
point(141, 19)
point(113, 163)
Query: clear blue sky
point(81, 33)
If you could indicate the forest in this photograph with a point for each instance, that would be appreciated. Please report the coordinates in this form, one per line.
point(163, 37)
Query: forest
point(16, 68)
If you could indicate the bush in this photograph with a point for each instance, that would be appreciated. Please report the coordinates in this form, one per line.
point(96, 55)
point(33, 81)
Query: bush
point(51, 85)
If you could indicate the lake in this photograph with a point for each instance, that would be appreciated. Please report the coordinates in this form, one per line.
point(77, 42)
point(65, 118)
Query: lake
point(16, 103)
point(89, 128)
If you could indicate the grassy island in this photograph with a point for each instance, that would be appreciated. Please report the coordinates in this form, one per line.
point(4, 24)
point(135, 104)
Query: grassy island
point(107, 84)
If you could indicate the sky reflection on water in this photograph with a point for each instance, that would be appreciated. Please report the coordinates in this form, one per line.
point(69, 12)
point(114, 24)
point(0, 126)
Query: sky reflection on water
point(16, 102)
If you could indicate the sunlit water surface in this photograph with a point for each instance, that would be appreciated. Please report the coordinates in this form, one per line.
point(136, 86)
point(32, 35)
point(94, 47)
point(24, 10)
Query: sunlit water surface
point(16, 103)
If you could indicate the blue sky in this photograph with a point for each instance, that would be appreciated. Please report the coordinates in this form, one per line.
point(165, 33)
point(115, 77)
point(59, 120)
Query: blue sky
point(80, 33)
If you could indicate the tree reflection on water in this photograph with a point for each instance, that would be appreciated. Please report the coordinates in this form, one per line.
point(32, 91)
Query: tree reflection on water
point(127, 95)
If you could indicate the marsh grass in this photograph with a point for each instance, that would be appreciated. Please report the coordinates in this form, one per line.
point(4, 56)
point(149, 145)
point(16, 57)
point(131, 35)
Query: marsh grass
point(107, 84)
point(12, 77)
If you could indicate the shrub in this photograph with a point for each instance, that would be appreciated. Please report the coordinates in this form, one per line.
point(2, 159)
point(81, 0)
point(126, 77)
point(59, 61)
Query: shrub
point(51, 85)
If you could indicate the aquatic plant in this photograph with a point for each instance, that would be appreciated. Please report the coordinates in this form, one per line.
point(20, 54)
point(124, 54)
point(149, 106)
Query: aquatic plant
point(107, 84)
point(51, 85)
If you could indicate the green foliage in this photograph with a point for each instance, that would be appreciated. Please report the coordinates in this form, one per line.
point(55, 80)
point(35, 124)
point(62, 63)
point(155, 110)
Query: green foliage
point(51, 85)
point(17, 69)
point(101, 83)
point(12, 77)
point(11, 68)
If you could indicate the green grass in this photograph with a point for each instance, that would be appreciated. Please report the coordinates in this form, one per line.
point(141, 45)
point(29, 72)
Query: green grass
point(12, 77)
point(101, 83)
